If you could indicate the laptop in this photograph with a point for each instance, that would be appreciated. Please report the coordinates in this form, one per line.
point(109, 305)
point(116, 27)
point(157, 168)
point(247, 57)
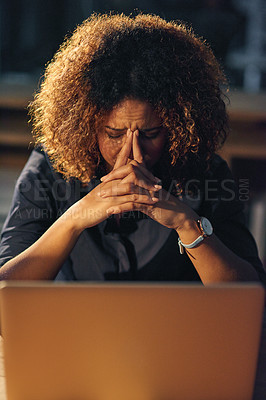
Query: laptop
point(130, 341)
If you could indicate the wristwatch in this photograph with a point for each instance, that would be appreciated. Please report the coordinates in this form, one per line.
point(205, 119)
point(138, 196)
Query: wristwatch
point(205, 228)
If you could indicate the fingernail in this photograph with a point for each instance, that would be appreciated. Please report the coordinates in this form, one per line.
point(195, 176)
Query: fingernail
point(103, 178)
point(157, 186)
point(137, 132)
point(129, 132)
point(155, 199)
point(109, 211)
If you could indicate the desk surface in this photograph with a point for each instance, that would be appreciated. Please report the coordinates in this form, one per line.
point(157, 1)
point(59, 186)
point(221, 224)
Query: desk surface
point(260, 383)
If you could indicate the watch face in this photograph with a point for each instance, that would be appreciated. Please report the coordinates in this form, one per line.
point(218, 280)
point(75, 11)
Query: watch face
point(206, 226)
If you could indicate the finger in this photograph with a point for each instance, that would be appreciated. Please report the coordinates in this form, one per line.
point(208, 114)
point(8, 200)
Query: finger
point(127, 169)
point(146, 172)
point(135, 198)
point(132, 173)
point(118, 173)
point(130, 206)
point(124, 153)
point(122, 189)
point(140, 180)
point(137, 153)
point(138, 156)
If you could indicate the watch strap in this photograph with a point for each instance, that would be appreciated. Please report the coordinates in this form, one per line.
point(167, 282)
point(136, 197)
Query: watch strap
point(190, 245)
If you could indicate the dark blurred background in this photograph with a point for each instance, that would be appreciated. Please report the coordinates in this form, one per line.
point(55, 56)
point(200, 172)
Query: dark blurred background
point(32, 30)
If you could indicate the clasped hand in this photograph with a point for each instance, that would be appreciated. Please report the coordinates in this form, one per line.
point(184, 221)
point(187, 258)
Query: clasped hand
point(130, 186)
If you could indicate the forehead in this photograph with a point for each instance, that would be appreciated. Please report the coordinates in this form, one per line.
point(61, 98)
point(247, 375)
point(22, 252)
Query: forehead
point(132, 114)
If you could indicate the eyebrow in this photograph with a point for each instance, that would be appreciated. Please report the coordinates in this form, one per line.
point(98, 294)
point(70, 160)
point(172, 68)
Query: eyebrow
point(124, 129)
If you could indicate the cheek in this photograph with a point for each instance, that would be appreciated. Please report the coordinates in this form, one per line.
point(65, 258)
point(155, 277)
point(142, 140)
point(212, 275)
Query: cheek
point(109, 149)
point(154, 150)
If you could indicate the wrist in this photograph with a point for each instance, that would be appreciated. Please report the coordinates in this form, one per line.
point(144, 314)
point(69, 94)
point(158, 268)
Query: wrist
point(189, 230)
point(193, 232)
point(73, 220)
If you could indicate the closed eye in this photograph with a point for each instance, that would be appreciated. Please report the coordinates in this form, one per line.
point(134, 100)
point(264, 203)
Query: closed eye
point(152, 135)
point(114, 133)
point(114, 136)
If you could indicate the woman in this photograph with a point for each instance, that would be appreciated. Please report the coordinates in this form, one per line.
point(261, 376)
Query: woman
point(125, 183)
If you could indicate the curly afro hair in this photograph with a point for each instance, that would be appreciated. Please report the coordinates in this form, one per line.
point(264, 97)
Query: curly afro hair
point(113, 57)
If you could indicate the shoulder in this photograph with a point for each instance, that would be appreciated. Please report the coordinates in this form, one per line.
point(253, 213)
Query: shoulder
point(219, 185)
point(216, 186)
point(40, 181)
point(220, 192)
point(218, 168)
point(40, 186)
point(38, 166)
